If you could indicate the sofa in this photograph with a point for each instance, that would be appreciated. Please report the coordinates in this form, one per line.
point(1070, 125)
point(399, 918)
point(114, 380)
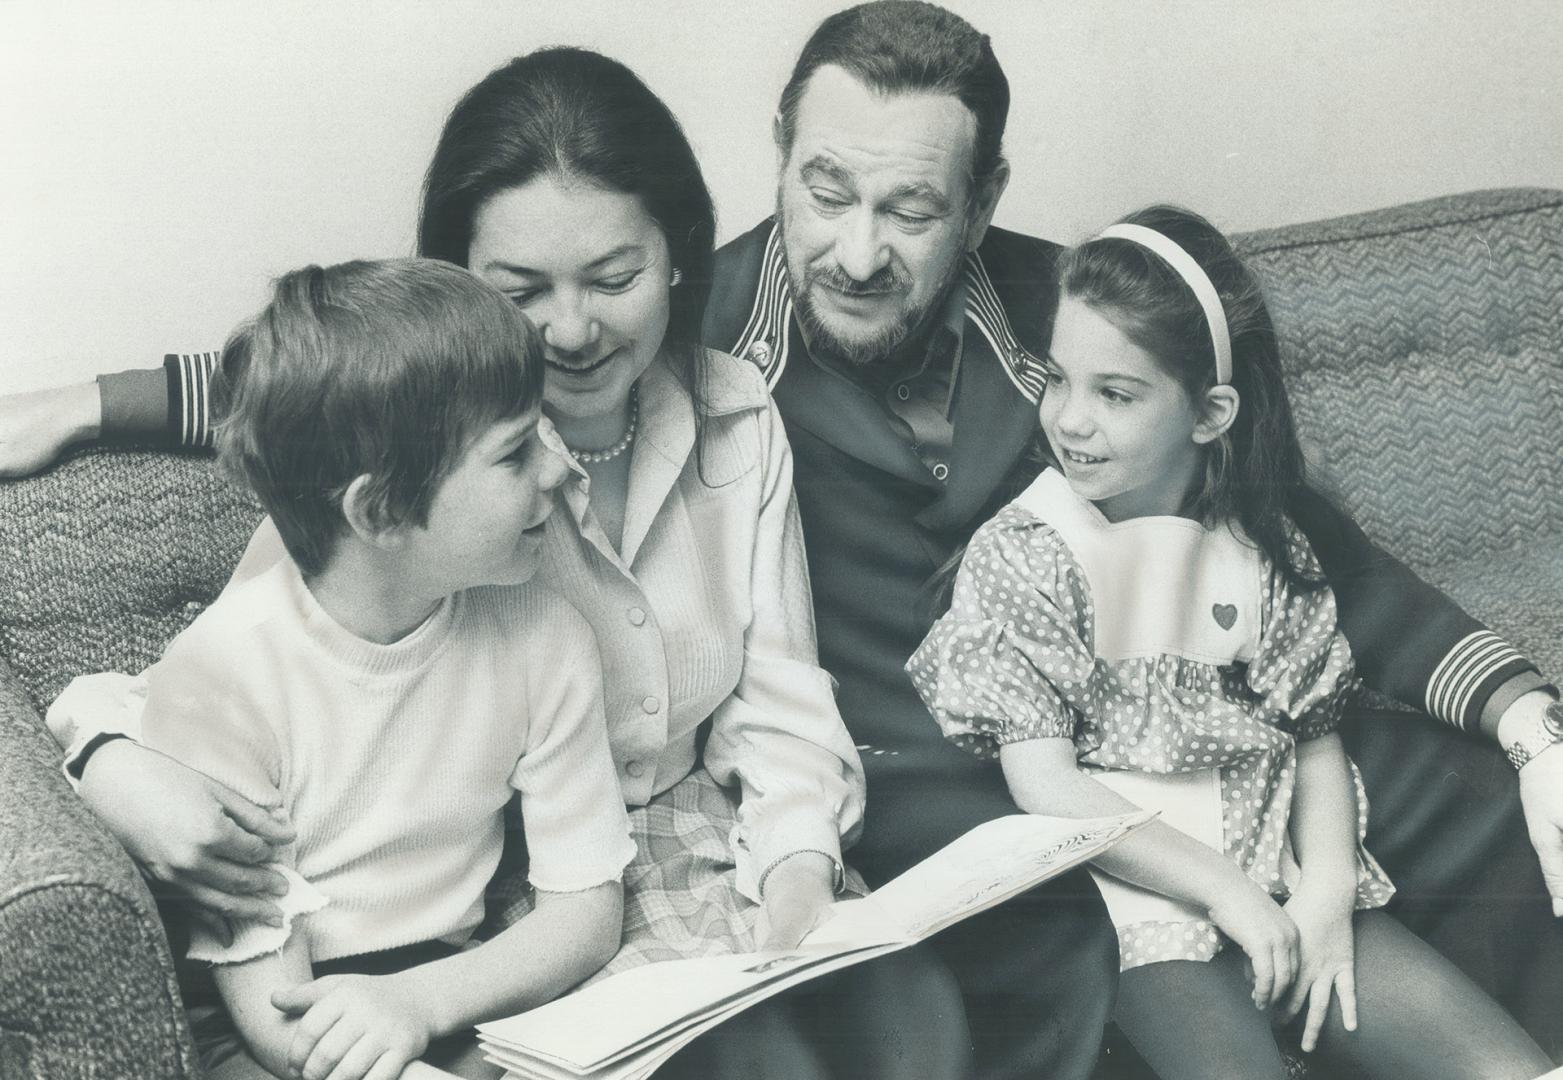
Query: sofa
point(1424, 346)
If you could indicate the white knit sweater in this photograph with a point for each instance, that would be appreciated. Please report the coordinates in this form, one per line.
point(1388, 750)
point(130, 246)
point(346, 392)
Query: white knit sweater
point(395, 762)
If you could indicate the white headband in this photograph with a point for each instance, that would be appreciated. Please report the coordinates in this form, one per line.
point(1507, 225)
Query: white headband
point(1196, 279)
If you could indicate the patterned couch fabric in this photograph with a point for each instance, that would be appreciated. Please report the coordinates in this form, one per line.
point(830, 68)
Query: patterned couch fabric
point(1424, 347)
point(110, 555)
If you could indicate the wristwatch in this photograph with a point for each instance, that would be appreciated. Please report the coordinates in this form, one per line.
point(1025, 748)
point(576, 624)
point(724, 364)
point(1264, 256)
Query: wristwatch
point(1540, 734)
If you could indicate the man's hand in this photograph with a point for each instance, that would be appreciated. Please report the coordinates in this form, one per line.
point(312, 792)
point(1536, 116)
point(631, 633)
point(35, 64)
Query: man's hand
point(36, 427)
point(202, 839)
point(797, 891)
point(352, 1027)
point(1541, 796)
point(1541, 785)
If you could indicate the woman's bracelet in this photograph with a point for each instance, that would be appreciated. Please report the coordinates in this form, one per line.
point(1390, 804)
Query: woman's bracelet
point(838, 879)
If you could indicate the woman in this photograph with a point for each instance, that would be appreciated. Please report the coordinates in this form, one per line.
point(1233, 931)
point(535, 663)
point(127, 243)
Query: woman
point(564, 181)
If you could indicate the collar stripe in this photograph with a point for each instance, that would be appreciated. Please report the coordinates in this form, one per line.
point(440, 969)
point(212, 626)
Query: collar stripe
point(987, 312)
point(771, 316)
point(772, 313)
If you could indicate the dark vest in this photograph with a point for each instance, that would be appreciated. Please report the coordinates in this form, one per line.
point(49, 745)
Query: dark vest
point(878, 526)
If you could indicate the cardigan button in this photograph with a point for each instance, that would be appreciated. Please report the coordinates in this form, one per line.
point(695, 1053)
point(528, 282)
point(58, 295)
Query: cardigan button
point(651, 705)
point(635, 769)
point(636, 616)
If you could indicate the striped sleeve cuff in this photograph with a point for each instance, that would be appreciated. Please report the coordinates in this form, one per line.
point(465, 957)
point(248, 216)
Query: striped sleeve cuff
point(189, 396)
point(1478, 665)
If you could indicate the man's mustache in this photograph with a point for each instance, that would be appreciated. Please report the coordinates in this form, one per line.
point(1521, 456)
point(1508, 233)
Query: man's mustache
point(884, 280)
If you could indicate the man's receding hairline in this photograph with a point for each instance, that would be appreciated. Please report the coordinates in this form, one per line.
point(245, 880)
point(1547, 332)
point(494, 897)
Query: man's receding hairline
point(881, 94)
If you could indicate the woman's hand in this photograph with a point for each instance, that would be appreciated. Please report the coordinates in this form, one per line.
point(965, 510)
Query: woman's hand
point(355, 1026)
point(1268, 935)
point(1324, 925)
point(202, 839)
point(797, 892)
point(36, 427)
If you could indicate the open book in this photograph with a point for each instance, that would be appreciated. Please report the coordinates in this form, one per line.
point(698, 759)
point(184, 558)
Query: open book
point(624, 1027)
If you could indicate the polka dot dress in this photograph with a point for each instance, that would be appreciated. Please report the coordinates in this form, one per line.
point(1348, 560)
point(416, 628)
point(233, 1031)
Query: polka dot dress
point(1014, 659)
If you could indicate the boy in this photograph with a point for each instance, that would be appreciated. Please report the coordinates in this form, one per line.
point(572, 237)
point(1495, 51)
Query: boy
point(395, 680)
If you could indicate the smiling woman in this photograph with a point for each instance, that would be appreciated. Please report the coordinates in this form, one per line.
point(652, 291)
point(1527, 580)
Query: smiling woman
point(592, 270)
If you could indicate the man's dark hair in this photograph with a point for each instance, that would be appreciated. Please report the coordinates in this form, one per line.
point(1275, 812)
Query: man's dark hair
point(907, 46)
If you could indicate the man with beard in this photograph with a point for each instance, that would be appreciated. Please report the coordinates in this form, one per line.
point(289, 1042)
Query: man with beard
point(902, 337)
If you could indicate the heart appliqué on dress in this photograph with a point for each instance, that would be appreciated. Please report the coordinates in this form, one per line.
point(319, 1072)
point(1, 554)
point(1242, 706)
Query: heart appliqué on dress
point(1224, 614)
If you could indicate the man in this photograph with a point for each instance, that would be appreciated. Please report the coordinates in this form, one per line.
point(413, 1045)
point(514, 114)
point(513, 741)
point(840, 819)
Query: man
point(901, 336)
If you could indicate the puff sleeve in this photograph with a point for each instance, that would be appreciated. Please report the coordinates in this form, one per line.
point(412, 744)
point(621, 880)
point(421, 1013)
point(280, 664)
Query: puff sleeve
point(1004, 663)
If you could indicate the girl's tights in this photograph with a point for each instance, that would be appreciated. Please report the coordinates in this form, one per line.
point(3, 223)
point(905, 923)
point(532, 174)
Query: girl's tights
point(1418, 1018)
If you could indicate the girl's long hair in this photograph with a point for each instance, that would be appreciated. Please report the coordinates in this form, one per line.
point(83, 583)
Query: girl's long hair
point(1255, 470)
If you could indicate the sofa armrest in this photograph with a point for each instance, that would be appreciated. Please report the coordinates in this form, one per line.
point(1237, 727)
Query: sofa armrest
point(87, 985)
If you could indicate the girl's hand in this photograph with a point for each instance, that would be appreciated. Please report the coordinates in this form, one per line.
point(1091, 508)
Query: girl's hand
point(1324, 925)
point(200, 838)
point(355, 1027)
point(797, 893)
point(1248, 916)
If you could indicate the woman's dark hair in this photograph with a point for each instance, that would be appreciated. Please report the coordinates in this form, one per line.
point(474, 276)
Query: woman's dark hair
point(1255, 470)
point(577, 114)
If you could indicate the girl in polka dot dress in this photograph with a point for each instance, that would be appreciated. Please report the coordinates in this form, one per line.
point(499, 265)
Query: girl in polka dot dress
point(1144, 626)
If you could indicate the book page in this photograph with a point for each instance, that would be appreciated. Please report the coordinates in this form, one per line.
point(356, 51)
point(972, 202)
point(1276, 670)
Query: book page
point(623, 1027)
point(993, 862)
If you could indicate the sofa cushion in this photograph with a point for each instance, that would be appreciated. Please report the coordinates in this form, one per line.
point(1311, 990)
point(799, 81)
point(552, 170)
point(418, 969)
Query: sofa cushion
point(1422, 347)
point(106, 557)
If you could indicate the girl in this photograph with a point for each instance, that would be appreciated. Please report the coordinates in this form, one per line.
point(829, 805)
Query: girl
point(1144, 626)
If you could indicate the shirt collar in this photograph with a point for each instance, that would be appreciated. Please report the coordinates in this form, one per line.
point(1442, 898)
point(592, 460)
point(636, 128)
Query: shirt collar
point(666, 418)
point(765, 340)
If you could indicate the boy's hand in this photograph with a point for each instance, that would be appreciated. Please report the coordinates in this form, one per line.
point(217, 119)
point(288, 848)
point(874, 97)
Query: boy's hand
point(200, 838)
point(797, 894)
point(1324, 927)
point(1267, 934)
point(354, 1026)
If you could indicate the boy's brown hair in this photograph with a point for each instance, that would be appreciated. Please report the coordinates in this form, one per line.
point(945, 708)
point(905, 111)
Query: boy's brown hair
point(386, 369)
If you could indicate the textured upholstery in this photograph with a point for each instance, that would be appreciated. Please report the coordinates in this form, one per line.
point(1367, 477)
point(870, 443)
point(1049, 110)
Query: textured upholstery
point(101, 561)
point(1425, 351)
point(109, 556)
point(1424, 347)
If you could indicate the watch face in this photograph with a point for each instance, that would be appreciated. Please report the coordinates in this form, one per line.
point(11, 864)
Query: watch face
point(1552, 719)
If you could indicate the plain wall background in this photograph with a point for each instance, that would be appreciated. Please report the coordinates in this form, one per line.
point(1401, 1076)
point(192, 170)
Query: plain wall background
point(160, 161)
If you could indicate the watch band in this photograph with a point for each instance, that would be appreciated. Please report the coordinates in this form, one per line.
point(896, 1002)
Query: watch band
point(1542, 733)
point(77, 767)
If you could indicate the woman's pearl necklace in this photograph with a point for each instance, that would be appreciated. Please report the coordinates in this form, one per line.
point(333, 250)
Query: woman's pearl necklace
point(597, 457)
